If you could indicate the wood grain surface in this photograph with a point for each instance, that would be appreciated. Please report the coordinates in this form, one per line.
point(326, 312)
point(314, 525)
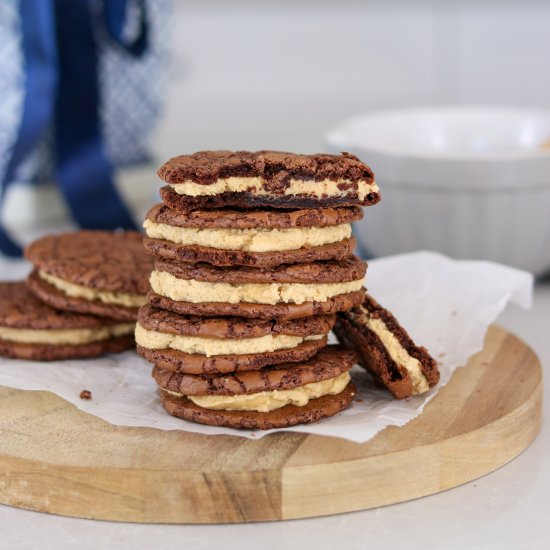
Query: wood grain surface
point(55, 458)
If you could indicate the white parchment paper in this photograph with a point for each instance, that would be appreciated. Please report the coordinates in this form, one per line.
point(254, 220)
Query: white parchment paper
point(445, 305)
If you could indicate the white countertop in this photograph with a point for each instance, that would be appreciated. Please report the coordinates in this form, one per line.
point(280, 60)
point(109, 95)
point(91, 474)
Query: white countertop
point(505, 509)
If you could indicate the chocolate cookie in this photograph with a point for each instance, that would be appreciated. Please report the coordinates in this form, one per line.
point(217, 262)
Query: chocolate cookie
point(59, 300)
point(167, 250)
point(282, 292)
point(199, 345)
point(213, 179)
point(280, 312)
point(386, 350)
point(266, 218)
point(350, 269)
point(30, 329)
point(177, 361)
point(99, 272)
point(330, 362)
point(230, 328)
point(286, 416)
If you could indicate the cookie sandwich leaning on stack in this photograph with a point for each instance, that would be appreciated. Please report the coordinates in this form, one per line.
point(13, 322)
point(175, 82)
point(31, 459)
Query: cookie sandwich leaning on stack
point(253, 259)
point(386, 350)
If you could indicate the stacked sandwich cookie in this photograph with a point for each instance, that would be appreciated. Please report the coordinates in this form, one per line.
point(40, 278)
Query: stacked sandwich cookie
point(253, 259)
point(101, 273)
point(256, 238)
point(287, 291)
point(214, 345)
point(281, 395)
point(81, 300)
point(30, 329)
point(269, 179)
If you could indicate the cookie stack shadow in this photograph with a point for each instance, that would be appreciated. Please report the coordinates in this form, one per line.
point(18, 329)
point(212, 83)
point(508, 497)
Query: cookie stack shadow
point(253, 260)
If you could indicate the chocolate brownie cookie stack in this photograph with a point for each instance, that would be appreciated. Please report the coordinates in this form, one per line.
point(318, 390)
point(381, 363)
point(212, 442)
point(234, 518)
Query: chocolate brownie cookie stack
point(253, 259)
point(81, 300)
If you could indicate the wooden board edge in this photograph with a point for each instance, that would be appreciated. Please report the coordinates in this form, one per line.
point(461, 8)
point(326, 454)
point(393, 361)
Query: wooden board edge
point(436, 467)
point(297, 492)
point(153, 496)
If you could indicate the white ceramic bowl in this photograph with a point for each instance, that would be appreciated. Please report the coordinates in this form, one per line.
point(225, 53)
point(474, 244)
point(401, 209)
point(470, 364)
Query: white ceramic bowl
point(468, 182)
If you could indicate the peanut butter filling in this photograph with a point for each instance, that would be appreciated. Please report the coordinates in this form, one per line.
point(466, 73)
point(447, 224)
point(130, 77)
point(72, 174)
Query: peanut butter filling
point(257, 185)
point(267, 401)
point(71, 337)
point(398, 353)
point(217, 346)
point(79, 291)
point(250, 240)
point(190, 290)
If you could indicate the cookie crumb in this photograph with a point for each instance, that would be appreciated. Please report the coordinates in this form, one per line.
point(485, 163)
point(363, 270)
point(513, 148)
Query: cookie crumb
point(85, 394)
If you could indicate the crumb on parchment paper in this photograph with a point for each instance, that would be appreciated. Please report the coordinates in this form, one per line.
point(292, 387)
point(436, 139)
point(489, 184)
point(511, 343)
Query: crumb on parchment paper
point(85, 394)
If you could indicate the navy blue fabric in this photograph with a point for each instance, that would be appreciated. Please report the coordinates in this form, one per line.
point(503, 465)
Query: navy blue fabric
point(115, 18)
point(61, 86)
point(84, 172)
point(40, 57)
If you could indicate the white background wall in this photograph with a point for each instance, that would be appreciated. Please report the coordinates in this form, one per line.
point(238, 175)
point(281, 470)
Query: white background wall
point(265, 74)
point(253, 74)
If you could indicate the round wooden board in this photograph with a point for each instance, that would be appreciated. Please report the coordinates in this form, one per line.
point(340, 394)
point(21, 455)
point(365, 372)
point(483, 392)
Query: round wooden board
point(56, 459)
